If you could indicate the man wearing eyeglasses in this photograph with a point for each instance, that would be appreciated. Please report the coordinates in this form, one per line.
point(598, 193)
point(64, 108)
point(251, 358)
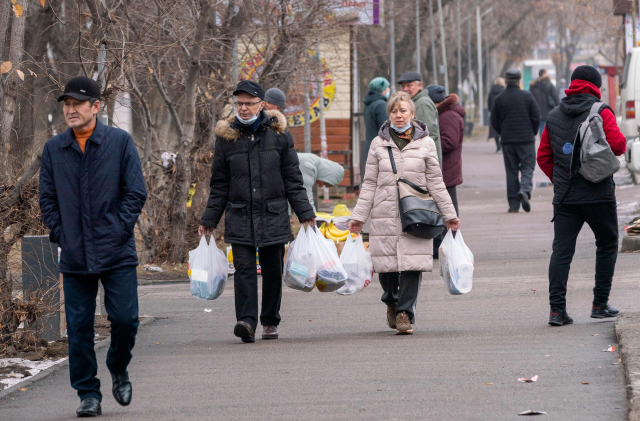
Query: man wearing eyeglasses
point(255, 172)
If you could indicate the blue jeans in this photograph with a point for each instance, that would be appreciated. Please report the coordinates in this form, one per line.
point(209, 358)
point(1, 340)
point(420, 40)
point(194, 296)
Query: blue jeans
point(121, 302)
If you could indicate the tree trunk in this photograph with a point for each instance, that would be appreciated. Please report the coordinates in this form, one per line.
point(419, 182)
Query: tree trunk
point(184, 163)
point(11, 91)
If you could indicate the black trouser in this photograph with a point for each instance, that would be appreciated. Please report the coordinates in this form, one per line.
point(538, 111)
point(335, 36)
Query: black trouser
point(245, 283)
point(519, 158)
point(438, 240)
point(602, 218)
point(401, 288)
point(121, 302)
point(498, 147)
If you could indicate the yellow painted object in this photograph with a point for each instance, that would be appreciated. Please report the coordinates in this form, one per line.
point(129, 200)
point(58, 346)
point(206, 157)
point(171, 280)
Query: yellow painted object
point(341, 210)
point(324, 215)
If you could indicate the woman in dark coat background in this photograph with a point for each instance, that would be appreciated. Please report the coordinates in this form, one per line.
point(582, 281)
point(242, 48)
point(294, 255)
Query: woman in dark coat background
point(375, 114)
point(498, 87)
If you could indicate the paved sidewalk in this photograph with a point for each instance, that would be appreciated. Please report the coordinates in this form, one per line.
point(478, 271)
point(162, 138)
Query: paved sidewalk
point(337, 360)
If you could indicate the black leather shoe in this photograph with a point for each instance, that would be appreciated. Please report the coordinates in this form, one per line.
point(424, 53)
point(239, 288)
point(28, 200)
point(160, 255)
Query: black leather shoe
point(524, 200)
point(559, 318)
point(602, 311)
point(245, 331)
point(511, 210)
point(90, 407)
point(122, 389)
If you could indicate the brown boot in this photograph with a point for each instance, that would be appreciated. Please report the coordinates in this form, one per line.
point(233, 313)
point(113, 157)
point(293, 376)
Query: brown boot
point(391, 316)
point(403, 324)
point(245, 331)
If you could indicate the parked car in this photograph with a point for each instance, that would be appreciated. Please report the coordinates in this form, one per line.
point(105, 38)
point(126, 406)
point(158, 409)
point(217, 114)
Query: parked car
point(628, 111)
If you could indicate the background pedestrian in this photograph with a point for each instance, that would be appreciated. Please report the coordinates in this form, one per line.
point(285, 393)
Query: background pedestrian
point(497, 88)
point(274, 99)
point(375, 114)
point(546, 96)
point(515, 116)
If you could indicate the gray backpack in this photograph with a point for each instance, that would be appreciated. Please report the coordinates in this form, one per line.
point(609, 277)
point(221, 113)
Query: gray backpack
point(597, 161)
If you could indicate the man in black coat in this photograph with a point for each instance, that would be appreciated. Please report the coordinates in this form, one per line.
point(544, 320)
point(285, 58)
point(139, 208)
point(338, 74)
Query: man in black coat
point(255, 172)
point(91, 194)
point(546, 96)
point(515, 116)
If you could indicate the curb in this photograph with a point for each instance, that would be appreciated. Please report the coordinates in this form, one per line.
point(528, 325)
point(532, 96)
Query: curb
point(162, 281)
point(44, 373)
point(628, 334)
point(630, 243)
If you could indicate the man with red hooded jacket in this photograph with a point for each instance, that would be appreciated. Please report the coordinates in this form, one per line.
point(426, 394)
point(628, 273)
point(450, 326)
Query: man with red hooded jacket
point(576, 200)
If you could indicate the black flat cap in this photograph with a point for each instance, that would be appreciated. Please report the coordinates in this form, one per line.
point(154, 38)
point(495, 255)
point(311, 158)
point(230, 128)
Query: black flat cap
point(436, 93)
point(250, 87)
point(587, 73)
point(81, 88)
point(512, 75)
point(408, 77)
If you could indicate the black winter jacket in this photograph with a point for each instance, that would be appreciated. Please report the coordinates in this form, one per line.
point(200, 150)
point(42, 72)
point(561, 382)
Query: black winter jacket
point(562, 125)
point(252, 177)
point(91, 201)
point(515, 116)
point(491, 99)
point(545, 94)
point(375, 114)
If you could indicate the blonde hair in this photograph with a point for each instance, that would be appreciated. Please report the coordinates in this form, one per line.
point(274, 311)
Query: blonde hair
point(400, 97)
point(500, 81)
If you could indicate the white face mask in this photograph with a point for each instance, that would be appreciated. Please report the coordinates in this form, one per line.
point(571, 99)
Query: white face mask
point(249, 121)
point(401, 129)
point(387, 94)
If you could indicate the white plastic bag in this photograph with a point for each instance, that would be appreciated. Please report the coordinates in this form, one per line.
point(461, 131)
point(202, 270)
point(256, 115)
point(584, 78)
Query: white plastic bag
point(300, 267)
point(456, 264)
point(209, 270)
point(358, 265)
point(330, 272)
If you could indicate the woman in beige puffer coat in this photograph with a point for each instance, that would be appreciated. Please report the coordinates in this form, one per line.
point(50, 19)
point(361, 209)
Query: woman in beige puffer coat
point(398, 257)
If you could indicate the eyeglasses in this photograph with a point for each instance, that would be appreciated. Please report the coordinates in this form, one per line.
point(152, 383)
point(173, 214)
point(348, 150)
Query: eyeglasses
point(246, 104)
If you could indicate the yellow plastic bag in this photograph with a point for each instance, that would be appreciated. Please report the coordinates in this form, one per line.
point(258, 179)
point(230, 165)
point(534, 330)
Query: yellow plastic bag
point(341, 210)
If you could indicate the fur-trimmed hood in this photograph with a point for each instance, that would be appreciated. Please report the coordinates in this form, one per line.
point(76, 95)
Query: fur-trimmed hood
point(452, 102)
point(229, 129)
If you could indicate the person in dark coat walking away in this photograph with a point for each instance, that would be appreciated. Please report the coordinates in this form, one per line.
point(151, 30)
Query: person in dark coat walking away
point(375, 114)
point(451, 122)
point(577, 201)
point(546, 95)
point(497, 88)
point(255, 172)
point(91, 194)
point(515, 116)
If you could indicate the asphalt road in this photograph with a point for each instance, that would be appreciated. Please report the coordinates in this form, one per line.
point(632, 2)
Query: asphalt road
point(337, 360)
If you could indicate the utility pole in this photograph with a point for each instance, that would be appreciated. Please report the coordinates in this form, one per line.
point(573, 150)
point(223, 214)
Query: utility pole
point(392, 35)
point(418, 36)
point(433, 44)
point(480, 93)
point(307, 104)
point(459, 87)
point(444, 51)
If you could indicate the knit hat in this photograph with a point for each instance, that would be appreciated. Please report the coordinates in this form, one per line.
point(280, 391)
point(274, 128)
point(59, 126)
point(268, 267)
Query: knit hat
point(587, 73)
point(276, 97)
point(512, 76)
point(436, 93)
point(379, 84)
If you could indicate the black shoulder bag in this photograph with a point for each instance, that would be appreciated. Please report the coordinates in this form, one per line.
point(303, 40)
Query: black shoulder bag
point(419, 213)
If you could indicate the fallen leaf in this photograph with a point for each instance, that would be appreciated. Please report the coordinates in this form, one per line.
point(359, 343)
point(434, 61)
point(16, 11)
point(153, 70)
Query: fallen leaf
point(5, 67)
point(23, 389)
point(531, 412)
point(14, 1)
point(595, 334)
point(150, 70)
point(488, 384)
point(585, 382)
point(17, 9)
point(619, 360)
point(20, 74)
point(42, 3)
point(32, 73)
point(158, 343)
